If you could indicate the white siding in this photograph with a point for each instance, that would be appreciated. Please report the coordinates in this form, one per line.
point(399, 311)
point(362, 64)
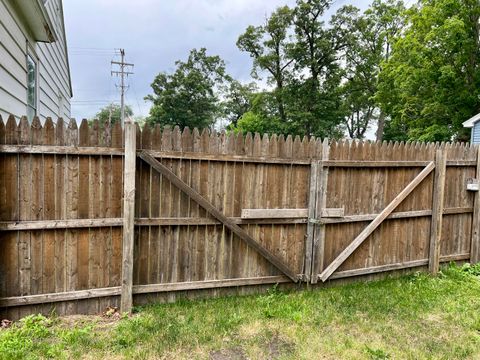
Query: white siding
point(54, 89)
point(475, 139)
point(13, 84)
point(54, 72)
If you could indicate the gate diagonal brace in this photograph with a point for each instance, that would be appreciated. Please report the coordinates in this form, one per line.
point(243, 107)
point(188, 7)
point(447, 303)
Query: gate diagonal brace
point(237, 230)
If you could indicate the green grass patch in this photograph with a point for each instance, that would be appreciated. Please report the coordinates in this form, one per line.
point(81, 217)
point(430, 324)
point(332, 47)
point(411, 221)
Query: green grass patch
point(412, 317)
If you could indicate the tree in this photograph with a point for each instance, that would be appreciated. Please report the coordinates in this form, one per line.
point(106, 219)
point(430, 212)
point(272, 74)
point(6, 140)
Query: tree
point(237, 101)
point(261, 117)
point(431, 83)
point(189, 96)
point(112, 113)
point(371, 36)
point(318, 50)
point(268, 45)
point(359, 108)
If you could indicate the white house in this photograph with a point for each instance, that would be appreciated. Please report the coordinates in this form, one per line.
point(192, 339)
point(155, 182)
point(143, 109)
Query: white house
point(34, 69)
point(474, 123)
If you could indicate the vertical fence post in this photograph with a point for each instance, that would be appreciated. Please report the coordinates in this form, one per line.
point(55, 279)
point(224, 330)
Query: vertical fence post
point(128, 215)
point(319, 229)
point(437, 210)
point(475, 245)
point(312, 203)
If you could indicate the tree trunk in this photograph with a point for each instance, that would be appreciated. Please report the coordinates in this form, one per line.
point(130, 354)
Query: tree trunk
point(381, 126)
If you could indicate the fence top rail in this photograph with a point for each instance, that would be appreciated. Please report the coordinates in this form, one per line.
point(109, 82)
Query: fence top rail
point(174, 141)
point(102, 150)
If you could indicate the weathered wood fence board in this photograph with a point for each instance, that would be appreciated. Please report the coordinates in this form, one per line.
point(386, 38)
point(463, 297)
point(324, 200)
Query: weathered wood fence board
point(61, 212)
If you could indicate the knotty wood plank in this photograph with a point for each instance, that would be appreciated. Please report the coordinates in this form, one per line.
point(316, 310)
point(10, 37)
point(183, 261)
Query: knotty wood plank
point(376, 222)
point(437, 211)
point(217, 214)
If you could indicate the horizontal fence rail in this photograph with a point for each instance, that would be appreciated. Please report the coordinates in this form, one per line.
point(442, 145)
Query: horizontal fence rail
point(227, 213)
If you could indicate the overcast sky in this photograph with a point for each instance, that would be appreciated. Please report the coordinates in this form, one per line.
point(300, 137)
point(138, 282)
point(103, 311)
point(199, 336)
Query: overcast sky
point(154, 33)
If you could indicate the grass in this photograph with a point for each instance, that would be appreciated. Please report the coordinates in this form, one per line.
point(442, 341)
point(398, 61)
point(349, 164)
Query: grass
point(412, 317)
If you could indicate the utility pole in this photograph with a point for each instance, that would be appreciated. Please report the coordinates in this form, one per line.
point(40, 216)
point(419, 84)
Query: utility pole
point(123, 66)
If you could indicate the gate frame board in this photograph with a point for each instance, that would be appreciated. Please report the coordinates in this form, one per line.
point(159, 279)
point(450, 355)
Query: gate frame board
point(340, 259)
point(197, 197)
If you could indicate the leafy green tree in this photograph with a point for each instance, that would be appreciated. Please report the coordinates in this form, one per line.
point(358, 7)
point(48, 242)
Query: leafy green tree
point(317, 50)
point(269, 45)
point(359, 108)
point(237, 101)
point(190, 95)
point(431, 83)
point(261, 117)
point(112, 113)
point(371, 36)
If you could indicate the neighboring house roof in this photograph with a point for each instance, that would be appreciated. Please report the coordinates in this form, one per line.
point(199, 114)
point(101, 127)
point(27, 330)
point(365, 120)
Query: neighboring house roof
point(470, 122)
point(37, 18)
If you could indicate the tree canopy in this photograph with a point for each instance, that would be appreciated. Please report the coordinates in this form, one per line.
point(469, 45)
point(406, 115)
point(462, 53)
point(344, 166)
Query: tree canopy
point(190, 95)
point(431, 83)
point(112, 113)
point(411, 73)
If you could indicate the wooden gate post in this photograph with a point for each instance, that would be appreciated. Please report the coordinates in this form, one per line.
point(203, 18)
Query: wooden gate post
point(437, 210)
point(312, 203)
point(321, 200)
point(475, 245)
point(128, 215)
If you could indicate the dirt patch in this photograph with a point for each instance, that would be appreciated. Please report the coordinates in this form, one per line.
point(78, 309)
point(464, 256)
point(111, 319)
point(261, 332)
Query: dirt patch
point(228, 354)
point(278, 347)
point(98, 321)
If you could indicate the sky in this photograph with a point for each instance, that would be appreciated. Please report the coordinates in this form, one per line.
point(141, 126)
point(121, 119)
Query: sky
point(154, 34)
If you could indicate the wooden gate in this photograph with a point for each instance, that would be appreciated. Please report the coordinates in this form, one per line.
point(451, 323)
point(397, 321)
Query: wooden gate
point(388, 186)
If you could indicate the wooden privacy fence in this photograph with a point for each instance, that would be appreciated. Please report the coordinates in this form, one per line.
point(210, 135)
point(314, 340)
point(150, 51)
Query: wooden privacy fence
point(86, 221)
